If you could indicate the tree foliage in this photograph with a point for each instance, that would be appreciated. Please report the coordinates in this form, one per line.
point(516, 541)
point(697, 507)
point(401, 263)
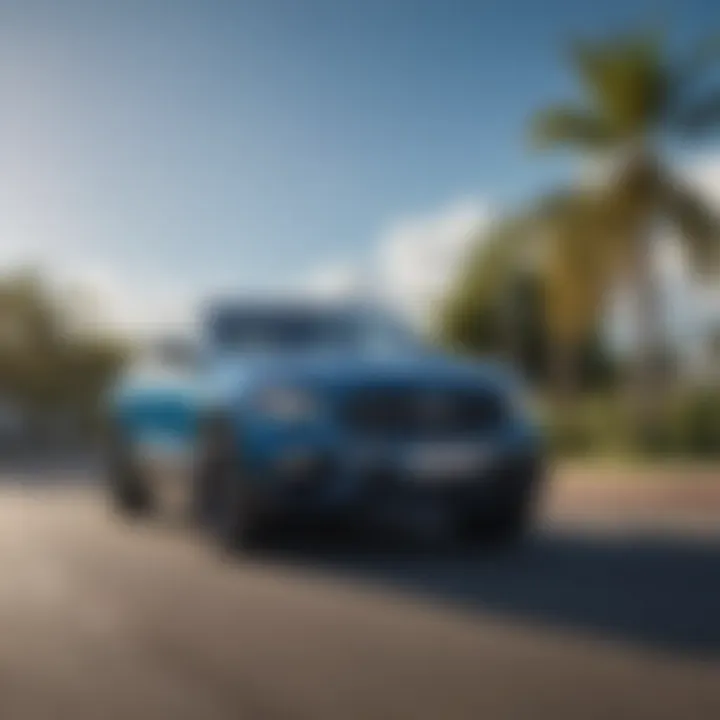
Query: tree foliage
point(49, 367)
point(634, 95)
point(502, 302)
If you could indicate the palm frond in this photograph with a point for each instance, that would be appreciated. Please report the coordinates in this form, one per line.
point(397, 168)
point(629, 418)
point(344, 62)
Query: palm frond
point(497, 254)
point(570, 126)
point(470, 310)
point(699, 225)
point(626, 79)
point(580, 255)
point(577, 277)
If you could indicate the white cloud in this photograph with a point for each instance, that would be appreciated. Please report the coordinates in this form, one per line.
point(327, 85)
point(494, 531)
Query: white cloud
point(100, 294)
point(95, 289)
point(335, 281)
point(690, 305)
point(704, 177)
point(412, 263)
point(419, 257)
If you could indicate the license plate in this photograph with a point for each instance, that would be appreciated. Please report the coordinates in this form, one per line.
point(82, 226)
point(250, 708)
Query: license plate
point(447, 460)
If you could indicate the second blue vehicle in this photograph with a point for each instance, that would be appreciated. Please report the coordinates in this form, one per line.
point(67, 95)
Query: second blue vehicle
point(290, 412)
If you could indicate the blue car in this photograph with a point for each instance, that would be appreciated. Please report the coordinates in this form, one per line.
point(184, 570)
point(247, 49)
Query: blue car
point(287, 413)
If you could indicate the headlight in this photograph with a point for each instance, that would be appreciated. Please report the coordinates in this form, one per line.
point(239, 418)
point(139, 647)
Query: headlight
point(288, 405)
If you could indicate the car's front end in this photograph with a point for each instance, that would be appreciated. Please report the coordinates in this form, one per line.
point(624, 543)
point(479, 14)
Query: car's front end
point(375, 442)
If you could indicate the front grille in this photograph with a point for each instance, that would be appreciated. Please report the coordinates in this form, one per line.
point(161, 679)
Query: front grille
point(412, 412)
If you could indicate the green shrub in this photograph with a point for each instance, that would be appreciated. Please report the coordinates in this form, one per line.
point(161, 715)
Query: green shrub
point(698, 423)
point(688, 425)
point(657, 441)
point(569, 437)
point(587, 428)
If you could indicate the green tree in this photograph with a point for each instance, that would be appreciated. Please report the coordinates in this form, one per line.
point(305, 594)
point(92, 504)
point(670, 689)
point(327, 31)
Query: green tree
point(479, 313)
point(503, 303)
point(48, 368)
point(635, 96)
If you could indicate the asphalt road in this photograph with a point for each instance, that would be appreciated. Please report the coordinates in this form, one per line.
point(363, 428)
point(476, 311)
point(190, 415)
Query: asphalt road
point(603, 614)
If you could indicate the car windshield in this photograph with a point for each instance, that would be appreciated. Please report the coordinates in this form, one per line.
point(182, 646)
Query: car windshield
point(246, 330)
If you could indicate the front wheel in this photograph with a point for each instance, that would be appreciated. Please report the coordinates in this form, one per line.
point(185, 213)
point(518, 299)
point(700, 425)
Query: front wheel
point(504, 526)
point(129, 492)
point(222, 501)
point(237, 526)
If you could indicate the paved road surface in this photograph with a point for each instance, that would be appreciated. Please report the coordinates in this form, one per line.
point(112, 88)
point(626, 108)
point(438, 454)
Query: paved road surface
point(101, 620)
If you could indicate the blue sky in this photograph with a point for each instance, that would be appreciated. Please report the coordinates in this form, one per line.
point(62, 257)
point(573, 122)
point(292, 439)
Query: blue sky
point(201, 143)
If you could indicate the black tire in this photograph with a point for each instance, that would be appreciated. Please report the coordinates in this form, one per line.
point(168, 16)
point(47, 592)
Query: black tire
point(238, 528)
point(222, 503)
point(130, 494)
point(512, 524)
point(504, 526)
point(511, 518)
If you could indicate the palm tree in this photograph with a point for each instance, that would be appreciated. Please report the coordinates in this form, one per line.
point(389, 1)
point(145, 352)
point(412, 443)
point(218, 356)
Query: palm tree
point(550, 247)
point(482, 309)
point(635, 98)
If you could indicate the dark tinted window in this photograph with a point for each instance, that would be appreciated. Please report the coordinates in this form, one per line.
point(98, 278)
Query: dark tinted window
point(249, 329)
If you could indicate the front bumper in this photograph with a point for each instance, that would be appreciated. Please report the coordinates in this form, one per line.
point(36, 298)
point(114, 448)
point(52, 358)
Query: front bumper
point(326, 480)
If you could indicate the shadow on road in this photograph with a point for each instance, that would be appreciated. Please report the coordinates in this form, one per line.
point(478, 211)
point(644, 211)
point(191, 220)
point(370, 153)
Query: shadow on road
point(659, 591)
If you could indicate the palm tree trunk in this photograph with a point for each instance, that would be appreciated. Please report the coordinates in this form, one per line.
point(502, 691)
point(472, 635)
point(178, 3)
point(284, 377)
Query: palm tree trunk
point(562, 372)
point(646, 377)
